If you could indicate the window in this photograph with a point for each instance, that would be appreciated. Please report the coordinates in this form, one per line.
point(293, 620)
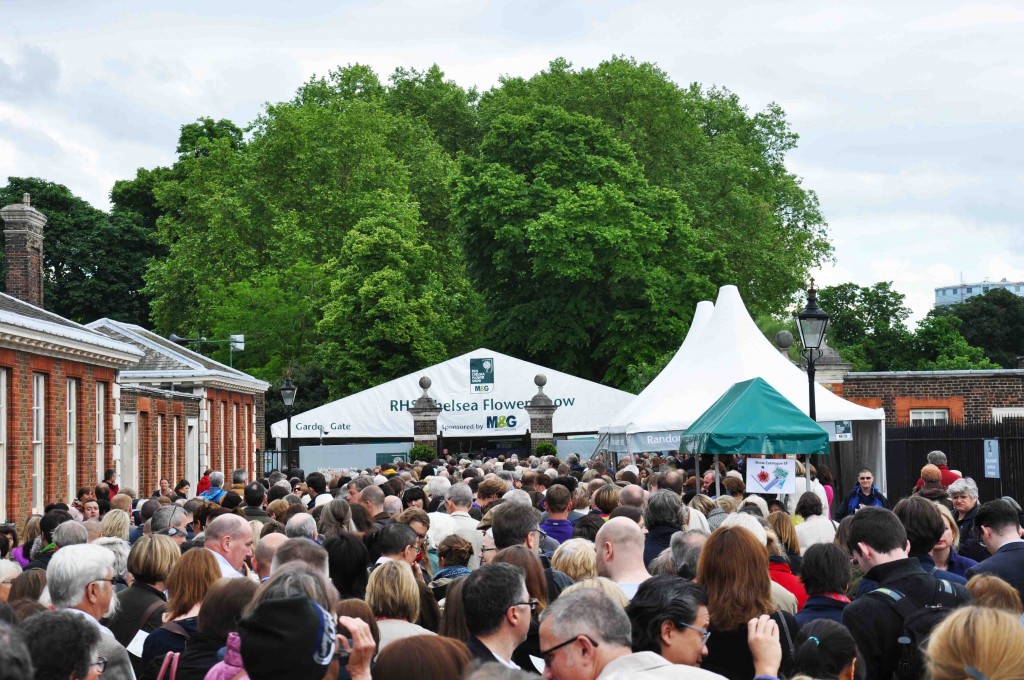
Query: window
point(223, 441)
point(3, 443)
point(234, 436)
point(1007, 412)
point(38, 439)
point(160, 450)
point(970, 290)
point(929, 416)
point(71, 426)
point(101, 427)
point(175, 475)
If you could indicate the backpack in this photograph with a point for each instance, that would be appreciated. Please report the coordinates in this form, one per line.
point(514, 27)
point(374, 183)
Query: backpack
point(918, 623)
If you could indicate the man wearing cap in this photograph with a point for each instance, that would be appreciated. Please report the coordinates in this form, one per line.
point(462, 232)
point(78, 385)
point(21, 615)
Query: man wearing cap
point(229, 538)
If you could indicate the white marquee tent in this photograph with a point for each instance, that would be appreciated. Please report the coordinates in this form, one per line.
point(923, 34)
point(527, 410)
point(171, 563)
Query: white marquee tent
point(483, 394)
point(724, 347)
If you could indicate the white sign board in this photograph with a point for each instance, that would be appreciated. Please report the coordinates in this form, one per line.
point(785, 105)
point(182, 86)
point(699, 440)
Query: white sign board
point(991, 459)
point(769, 475)
point(838, 430)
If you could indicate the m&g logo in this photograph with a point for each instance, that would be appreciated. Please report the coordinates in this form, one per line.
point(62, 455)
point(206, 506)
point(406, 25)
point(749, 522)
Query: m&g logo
point(501, 422)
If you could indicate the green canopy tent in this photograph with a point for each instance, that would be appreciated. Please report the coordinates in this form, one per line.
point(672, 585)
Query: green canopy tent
point(752, 417)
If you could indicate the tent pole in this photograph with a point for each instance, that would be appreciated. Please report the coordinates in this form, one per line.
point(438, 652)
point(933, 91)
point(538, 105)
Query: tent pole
point(696, 469)
point(718, 479)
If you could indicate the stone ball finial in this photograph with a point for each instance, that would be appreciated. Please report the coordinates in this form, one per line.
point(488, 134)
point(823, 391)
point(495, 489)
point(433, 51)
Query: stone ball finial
point(26, 199)
point(784, 339)
point(540, 380)
point(425, 382)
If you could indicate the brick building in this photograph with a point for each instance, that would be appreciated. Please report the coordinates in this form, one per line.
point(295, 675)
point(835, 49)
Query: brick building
point(183, 412)
point(939, 397)
point(59, 397)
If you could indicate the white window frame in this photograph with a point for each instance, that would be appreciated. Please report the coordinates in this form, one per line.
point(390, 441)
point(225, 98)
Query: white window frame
point(175, 421)
point(929, 416)
point(160, 451)
point(71, 425)
point(222, 417)
point(101, 429)
point(38, 441)
point(1007, 412)
point(3, 445)
point(234, 436)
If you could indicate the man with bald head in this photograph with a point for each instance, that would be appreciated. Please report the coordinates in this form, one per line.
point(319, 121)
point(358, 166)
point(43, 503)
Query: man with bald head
point(263, 557)
point(229, 538)
point(620, 554)
point(632, 495)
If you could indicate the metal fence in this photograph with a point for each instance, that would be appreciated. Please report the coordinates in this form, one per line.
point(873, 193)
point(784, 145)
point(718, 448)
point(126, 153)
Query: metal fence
point(906, 451)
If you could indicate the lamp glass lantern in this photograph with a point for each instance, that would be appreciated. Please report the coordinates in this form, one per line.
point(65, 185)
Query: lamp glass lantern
point(288, 391)
point(812, 321)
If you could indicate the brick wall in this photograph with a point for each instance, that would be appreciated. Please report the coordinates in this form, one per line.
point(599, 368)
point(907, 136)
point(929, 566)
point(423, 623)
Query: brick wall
point(969, 397)
point(20, 368)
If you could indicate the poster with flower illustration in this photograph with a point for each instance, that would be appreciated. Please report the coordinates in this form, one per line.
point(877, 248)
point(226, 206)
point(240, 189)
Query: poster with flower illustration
point(771, 475)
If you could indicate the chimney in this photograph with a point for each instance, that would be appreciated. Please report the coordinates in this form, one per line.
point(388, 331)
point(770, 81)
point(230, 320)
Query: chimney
point(23, 245)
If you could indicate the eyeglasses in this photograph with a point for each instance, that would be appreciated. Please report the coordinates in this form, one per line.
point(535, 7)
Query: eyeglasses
point(866, 479)
point(100, 663)
point(546, 654)
point(704, 632)
point(531, 603)
point(107, 580)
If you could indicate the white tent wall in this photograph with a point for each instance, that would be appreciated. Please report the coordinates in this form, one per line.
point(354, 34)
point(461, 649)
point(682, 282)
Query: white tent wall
point(726, 349)
point(483, 394)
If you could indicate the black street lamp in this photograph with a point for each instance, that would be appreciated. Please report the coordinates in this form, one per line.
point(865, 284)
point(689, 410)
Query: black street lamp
point(288, 391)
point(812, 322)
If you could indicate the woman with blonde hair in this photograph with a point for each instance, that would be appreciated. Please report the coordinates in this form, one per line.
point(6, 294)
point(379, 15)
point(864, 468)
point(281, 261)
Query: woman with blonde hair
point(394, 597)
point(976, 642)
point(576, 558)
point(605, 585)
point(786, 533)
point(733, 570)
point(116, 524)
point(945, 553)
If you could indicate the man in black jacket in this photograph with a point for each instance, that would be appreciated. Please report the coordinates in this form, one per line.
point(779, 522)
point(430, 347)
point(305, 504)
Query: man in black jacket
point(1000, 532)
point(879, 546)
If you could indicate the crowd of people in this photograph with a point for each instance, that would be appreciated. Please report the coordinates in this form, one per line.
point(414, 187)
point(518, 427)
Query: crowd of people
point(509, 568)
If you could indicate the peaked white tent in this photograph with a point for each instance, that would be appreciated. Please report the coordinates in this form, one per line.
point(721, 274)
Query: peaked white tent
point(717, 353)
point(482, 393)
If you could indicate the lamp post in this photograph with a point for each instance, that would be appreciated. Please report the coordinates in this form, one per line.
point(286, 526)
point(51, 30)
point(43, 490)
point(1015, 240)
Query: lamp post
point(812, 322)
point(288, 391)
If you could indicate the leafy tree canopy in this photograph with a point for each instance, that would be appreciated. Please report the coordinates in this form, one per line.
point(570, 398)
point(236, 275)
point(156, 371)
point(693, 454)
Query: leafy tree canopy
point(994, 322)
point(93, 261)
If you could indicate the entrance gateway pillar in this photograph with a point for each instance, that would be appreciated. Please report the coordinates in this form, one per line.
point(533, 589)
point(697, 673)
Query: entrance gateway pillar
point(541, 410)
point(424, 417)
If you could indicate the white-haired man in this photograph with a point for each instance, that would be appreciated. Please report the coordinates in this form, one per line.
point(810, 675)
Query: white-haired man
point(80, 579)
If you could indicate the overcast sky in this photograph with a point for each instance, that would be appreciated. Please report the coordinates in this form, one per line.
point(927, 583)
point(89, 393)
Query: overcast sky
point(911, 114)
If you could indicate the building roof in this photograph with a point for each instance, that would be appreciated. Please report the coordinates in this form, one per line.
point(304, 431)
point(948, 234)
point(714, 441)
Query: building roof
point(33, 329)
point(164, 362)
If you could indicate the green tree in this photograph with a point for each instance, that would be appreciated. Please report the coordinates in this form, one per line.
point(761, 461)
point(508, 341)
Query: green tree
point(93, 261)
point(389, 312)
point(726, 165)
point(867, 325)
point(446, 108)
point(585, 266)
point(942, 347)
point(994, 322)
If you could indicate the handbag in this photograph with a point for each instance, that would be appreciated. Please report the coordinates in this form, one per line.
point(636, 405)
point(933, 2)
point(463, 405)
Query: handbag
point(169, 668)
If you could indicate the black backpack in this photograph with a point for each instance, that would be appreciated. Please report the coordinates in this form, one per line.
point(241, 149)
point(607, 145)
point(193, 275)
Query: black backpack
point(918, 623)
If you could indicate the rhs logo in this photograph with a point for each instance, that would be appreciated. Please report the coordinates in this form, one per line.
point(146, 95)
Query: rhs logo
point(481, 375)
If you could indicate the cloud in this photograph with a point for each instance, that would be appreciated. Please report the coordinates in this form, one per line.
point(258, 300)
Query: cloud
point(32, 76)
